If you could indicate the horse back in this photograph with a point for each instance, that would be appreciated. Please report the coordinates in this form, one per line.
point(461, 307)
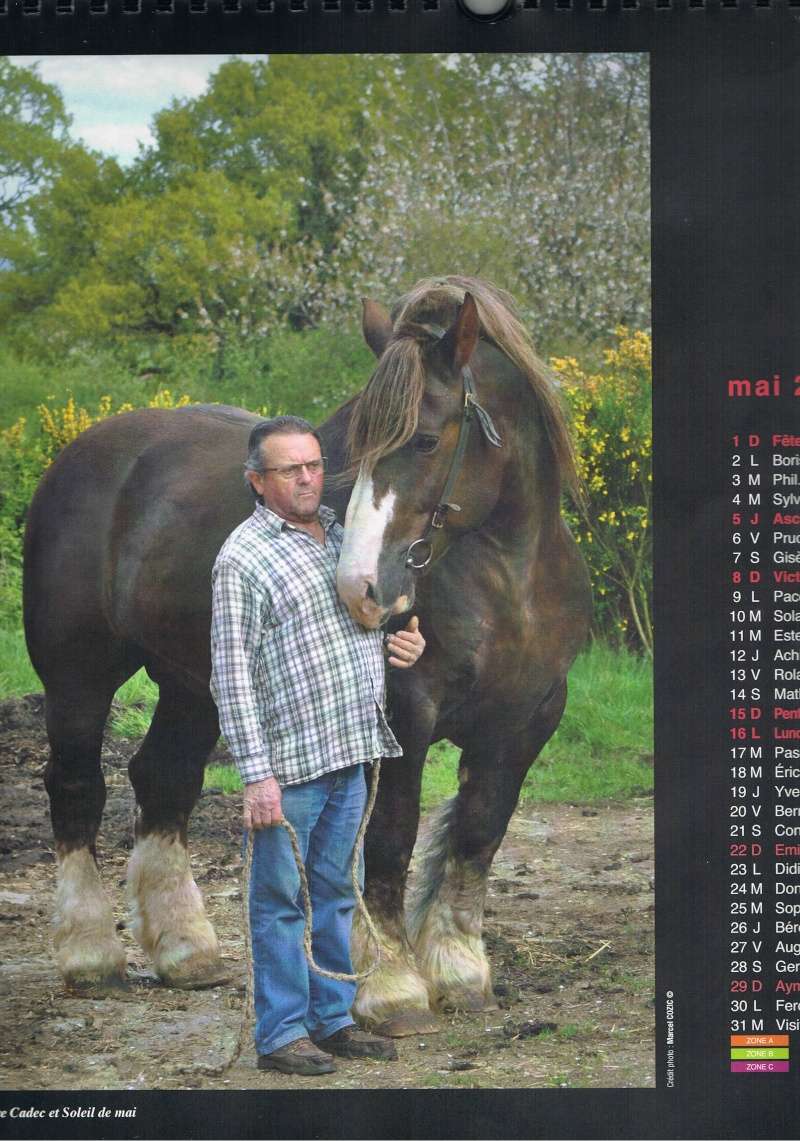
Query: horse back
point(123, 530)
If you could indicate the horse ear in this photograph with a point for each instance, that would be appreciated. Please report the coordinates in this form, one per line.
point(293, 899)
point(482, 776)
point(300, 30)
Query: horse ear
point(376, 325)
point(458, 343)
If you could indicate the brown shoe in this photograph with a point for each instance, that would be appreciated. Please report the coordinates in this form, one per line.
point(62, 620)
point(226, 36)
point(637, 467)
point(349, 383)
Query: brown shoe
point(298, 1057)
point(352, 1043)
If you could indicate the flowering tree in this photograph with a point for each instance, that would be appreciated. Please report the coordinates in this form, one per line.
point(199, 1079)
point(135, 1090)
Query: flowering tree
point(533, 172)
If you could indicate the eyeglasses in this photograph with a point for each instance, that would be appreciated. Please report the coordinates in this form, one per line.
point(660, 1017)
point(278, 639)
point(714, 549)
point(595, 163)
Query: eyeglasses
point(292, 471)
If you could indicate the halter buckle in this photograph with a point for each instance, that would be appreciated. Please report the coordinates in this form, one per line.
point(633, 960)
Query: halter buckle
point(440, 514)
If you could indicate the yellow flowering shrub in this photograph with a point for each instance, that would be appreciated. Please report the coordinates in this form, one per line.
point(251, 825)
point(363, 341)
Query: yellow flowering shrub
point(22, 462)
point(60, 426)
point(611, 418)
point(24, 456)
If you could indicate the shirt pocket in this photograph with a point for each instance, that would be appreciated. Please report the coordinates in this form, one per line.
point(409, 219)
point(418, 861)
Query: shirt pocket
point(294, 600)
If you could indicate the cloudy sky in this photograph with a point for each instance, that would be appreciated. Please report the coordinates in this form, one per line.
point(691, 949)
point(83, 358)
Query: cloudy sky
point(112, 99)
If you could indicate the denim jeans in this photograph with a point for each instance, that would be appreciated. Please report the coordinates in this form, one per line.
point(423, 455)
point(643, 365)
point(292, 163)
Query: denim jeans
point(291, 1000)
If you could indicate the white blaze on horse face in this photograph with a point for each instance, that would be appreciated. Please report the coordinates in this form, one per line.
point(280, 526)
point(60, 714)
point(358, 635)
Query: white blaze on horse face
point(364, 530)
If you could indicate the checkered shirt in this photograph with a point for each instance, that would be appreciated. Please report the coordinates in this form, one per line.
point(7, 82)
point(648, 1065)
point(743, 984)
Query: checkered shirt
point(298, 684)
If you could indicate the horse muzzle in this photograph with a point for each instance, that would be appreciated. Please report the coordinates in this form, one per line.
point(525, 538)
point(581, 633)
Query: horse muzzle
point(367, 606)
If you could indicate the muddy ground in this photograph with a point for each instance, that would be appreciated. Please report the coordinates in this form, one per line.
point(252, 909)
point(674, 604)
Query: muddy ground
point(569, 931)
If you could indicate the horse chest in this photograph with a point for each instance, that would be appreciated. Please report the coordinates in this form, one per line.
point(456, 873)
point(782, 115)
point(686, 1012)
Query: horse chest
point(492, 654)
point(511, 623)
point(510, 663)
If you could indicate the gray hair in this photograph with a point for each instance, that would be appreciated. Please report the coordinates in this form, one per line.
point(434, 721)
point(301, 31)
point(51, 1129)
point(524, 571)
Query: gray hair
point(277, 426)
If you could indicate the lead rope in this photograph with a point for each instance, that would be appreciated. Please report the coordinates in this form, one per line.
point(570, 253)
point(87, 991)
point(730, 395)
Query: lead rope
point(309, 917)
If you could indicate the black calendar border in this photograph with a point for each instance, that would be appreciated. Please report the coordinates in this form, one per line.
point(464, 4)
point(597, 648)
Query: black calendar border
point(726, 302)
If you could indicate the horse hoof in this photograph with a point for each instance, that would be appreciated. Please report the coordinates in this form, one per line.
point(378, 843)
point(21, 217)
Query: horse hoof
point(107, 986)
point(200, 977)
point(468, 1002)
point(407, 1024)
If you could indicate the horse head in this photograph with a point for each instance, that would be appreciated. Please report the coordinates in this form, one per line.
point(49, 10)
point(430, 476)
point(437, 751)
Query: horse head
point(429, 454)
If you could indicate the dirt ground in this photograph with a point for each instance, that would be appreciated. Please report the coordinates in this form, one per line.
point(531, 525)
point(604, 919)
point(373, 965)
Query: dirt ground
point(569, 932)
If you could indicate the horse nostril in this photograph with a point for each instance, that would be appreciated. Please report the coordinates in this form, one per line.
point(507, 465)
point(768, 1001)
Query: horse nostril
point(371, 595)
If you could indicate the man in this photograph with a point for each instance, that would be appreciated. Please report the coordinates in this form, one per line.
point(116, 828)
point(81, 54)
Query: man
point(299, 689)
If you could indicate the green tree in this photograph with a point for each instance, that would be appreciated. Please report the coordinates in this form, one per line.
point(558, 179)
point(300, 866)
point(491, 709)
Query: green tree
point(228, 224)
point(291, 127)
point(197, 260)
point(611, 419)
point(50, 189)
point(33, 134)
point(54, 238)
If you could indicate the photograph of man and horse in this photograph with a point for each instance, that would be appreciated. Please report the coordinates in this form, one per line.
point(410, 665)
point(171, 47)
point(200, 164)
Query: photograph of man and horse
point(495, 556)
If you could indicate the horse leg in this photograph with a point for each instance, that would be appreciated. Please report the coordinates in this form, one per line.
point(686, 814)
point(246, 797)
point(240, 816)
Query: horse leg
point(394, 998)
point(88, 952)
point(446, 908)
point(167, 914)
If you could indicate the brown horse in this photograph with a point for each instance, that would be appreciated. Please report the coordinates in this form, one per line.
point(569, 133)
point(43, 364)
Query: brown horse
point(504, 607)
point(460, 451)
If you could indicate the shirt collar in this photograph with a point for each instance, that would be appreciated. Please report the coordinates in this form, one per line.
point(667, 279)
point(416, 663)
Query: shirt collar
point(275, 524)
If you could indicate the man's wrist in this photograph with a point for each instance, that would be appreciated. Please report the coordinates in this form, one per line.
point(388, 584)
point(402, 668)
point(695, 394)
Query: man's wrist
point(254, 768)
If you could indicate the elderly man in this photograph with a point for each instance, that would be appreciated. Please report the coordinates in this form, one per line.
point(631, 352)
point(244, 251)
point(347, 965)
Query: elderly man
point(299, 689)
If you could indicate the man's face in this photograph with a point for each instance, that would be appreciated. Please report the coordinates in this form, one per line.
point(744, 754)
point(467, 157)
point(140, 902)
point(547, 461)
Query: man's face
point(294, 496)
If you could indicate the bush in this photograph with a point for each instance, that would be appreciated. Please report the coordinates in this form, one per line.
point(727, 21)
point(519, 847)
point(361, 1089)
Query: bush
point(611, 415)
point(306, 374)
point(22, 462)
point(311, 374)
point(27, 383)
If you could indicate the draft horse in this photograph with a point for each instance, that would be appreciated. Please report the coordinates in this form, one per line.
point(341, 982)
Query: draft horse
point(450, 466)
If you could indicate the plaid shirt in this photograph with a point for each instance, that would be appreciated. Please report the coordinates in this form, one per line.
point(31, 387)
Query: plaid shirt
point(298, 684)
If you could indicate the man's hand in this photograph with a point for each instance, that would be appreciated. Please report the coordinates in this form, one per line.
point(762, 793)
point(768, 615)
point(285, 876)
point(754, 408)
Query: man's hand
point(405, 646)
point(262, 804)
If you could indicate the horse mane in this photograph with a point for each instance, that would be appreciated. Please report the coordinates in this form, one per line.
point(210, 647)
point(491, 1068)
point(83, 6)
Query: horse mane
point(385, 414)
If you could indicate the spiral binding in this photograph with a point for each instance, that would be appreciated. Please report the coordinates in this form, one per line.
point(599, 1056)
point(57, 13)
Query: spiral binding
point(142, 8)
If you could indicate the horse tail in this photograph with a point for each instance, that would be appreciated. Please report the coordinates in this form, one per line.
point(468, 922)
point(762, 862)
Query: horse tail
point(431, 865)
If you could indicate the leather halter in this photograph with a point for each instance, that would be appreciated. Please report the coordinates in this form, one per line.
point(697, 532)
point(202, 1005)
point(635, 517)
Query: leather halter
point(420, 553)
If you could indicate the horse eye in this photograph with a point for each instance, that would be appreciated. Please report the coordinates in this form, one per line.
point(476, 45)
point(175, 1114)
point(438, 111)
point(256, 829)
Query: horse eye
point(425, 444)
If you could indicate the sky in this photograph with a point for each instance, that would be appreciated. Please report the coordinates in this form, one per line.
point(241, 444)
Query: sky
point(112, 99)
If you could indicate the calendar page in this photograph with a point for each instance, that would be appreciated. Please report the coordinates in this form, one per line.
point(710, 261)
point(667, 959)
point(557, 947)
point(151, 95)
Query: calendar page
point(399, 568)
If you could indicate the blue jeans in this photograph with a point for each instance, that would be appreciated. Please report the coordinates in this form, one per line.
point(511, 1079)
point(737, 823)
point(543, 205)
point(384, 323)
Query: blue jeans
point(291, 1000)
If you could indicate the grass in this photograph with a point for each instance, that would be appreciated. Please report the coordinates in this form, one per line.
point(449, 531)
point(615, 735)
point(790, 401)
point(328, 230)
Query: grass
point(224, 777)
point(602, 749)
point(17, 675)
point(570, 1030)
point(137, 699)
point(446, 1080)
